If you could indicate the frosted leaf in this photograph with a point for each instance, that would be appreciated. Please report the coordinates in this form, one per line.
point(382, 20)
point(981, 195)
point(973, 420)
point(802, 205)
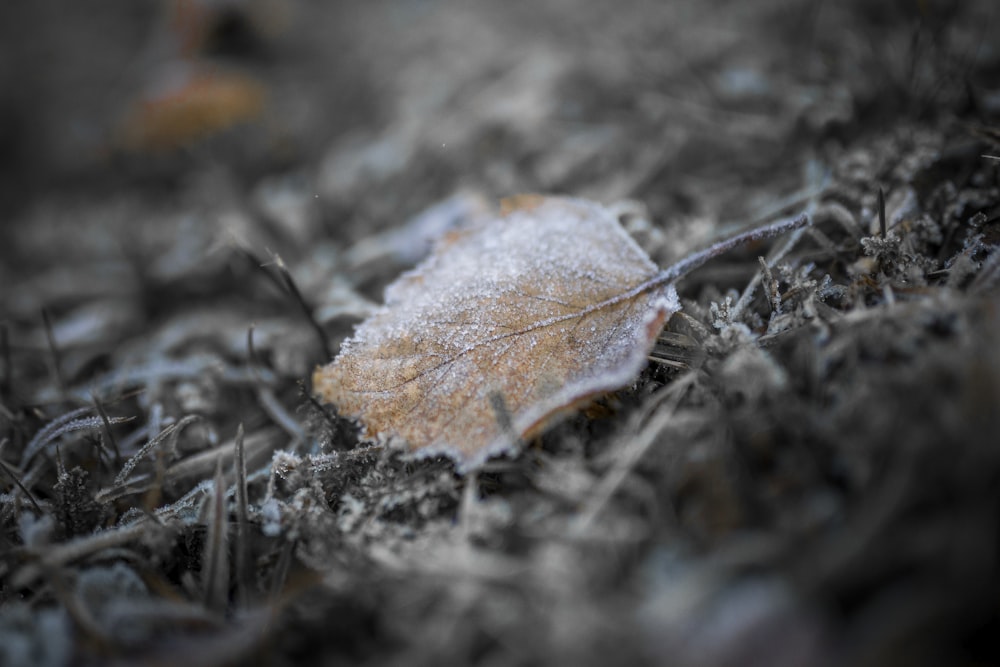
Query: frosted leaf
point(506, 325)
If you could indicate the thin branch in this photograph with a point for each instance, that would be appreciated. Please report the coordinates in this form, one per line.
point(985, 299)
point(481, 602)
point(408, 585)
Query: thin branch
point(17, 481)
point(55, 362)
point(286, 283)
point(215, 558)
point(694, 260)
point(170, 431)
point(881, 213)
point(66, 423)
point(107, 429)
point(242, 546)
point(293, 289)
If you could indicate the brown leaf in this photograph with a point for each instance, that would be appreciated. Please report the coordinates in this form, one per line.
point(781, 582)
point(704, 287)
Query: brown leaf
point(190, 103)
point(506, 325)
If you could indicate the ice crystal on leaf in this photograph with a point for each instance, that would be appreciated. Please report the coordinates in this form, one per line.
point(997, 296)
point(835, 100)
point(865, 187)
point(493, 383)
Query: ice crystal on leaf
point(504, 326)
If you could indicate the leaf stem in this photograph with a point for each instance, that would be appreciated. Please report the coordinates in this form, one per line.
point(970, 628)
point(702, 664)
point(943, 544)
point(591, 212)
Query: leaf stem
point(694, 260)
point(671, 274)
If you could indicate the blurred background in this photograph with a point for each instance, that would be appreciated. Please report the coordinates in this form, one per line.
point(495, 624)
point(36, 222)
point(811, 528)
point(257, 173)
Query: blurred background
point(129, 126)
point(424, 96)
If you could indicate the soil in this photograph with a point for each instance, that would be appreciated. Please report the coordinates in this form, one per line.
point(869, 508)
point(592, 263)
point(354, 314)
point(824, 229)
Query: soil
point(202, 199)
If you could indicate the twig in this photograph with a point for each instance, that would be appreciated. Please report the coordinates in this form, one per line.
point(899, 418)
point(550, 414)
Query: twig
point(107, 429)
point(286, 283)
point(771, 286)
point(242, 525)
point(17, 481)
point(278, 414)
point(53, 352)
point(215, 558)
point(694, 260)
point(170, 431)
point(272, 406)
point(60, 426)
point(881, 214)
point(293, 289)
point(776, 255)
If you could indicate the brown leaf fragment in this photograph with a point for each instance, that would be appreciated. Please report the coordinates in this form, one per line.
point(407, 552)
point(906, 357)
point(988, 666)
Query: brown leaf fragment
point(531, 311)
point(189, 103)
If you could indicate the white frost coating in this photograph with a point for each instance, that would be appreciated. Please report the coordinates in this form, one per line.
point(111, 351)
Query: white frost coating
point(270, 514)
point(506, 325)
point(635, 352)
point(486, 306)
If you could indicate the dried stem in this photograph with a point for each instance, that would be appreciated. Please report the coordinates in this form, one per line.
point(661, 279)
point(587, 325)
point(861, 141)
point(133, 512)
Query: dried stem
point(881, 213)
point(109, 434)
point(53, 352)
point(242, 545)
point(13, 476)
point(215, 558)
point(694, 260)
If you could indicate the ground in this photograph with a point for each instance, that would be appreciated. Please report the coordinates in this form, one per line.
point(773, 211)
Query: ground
point(203, 199)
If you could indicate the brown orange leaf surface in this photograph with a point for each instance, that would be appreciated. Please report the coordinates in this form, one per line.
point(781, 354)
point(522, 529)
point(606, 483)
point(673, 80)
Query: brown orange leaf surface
point(506, 325)
point(190, 103)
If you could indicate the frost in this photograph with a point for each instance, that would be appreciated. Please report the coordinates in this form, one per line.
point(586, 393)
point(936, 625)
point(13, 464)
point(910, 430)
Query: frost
point(723, 313)
point(350, 514)
point(270, 516)
point(506, 325)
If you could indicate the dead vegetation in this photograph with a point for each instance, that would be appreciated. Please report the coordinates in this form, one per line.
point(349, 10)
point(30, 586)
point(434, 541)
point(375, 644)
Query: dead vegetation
point(807, 472)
